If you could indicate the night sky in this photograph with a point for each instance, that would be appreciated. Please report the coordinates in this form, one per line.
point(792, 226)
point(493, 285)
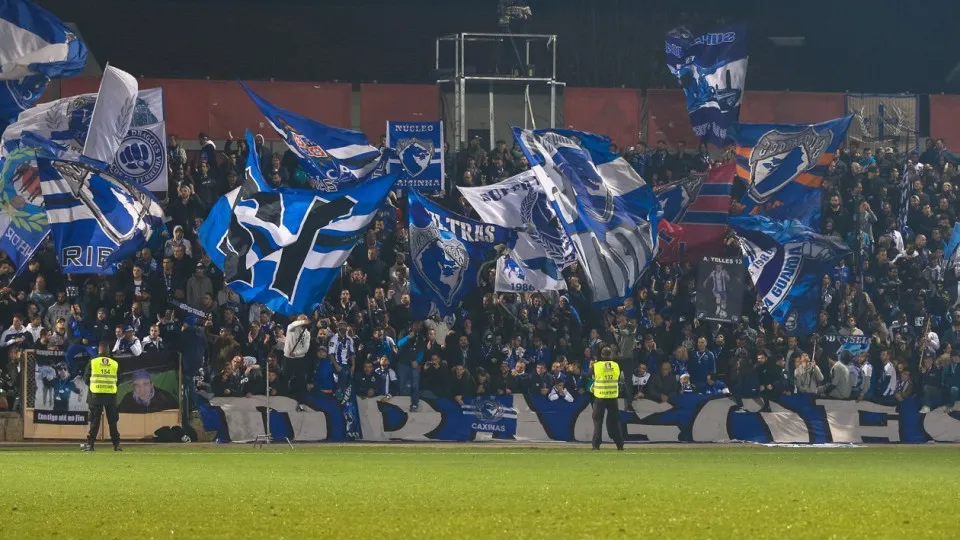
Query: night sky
point(865, 46)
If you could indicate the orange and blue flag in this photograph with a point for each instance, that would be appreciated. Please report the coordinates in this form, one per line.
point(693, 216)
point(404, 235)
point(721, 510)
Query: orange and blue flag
point(783, 166)
point(698, 207)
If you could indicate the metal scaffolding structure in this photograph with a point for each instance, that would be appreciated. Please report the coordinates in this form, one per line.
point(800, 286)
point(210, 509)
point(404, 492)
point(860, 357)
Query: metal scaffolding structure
point(459, 78)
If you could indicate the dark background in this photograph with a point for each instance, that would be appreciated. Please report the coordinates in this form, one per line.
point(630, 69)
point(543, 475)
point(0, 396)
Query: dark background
point(851, 45)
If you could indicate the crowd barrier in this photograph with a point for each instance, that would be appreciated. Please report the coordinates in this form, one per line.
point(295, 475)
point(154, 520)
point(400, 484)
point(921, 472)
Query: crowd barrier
point(686, 418)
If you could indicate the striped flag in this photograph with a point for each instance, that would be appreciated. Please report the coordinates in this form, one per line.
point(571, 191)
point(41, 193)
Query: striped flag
point(698, 206)
point(333, 158)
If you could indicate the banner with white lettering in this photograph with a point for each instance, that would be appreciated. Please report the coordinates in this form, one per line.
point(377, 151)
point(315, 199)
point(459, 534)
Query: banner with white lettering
point(834, 344)
point(793, 419)
point(720, 289)
point(418, 154)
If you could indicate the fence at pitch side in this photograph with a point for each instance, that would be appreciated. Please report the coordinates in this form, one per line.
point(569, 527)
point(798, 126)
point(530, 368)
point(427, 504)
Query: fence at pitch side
point(686, 418)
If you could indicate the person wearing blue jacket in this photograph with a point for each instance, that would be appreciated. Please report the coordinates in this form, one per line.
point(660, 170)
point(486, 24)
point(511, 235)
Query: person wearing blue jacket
point(713, 387)
point(326, 373)
point(411, 347)
point(192, 342)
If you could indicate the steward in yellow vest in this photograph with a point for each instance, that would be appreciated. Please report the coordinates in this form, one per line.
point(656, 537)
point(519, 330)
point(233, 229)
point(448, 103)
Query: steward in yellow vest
point(606, 394)
point(102, 374)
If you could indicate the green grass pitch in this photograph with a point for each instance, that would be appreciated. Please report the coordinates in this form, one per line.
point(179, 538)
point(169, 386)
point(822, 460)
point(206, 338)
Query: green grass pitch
point(480, 491)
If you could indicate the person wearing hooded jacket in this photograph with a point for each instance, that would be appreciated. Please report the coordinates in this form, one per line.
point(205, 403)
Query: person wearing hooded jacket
point(296, 345)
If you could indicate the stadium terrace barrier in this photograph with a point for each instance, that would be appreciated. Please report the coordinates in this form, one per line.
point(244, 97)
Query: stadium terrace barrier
point(944, 111)
point(687, 418)
point(612, 111)
point(219, 107)
point(667, 118)
point(791, 107)
point(397, 102)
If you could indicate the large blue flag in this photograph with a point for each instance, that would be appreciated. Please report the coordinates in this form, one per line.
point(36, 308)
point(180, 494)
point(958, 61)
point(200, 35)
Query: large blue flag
point(447, 252)
point(334, 158)
point(784, 164)
point(35, 47)
point(96, 220)
point(712, 69)
point(607, 210)
point(284, 247)
point(786, 261)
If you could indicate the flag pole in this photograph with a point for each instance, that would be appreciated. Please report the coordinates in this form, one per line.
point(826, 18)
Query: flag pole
point(267, 437)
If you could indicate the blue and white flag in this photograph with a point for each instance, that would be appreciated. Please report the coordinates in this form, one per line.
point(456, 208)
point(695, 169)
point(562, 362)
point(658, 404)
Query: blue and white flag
point(417, 157)
point(447, 252)
point(334, 158)
point(23, 221)
point(712, 68)
point(784, 164)
point(543, 248)
point(284, 247)
point(96, 220)
point(609, 213)
point(855, 345)
point(786, 262)
point(35, 47)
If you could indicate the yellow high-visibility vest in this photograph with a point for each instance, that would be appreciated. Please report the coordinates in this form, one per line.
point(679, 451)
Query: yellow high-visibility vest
point(606, 379)
point(103, 375)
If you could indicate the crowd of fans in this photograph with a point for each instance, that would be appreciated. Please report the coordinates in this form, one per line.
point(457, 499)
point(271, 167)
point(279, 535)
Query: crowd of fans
point(897, 289)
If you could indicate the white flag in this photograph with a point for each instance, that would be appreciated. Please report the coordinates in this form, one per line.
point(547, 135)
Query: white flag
point(514, 277)
point(542, 250)
point(112, 114)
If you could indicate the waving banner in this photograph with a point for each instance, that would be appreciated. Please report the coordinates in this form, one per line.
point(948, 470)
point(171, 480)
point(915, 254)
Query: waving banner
point(712, 68)
point(447, 253)
point(333, 158)
point(142, 158)
point(284, 247)
point(609, 213)
point(698, 206)
point(35, 47)
point(543, 248)
point(784, 164)
point(786, 262)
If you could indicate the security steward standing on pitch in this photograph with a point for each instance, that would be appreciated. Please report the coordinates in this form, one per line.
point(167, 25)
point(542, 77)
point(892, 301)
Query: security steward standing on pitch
point(606, 397)
point(102, 374)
